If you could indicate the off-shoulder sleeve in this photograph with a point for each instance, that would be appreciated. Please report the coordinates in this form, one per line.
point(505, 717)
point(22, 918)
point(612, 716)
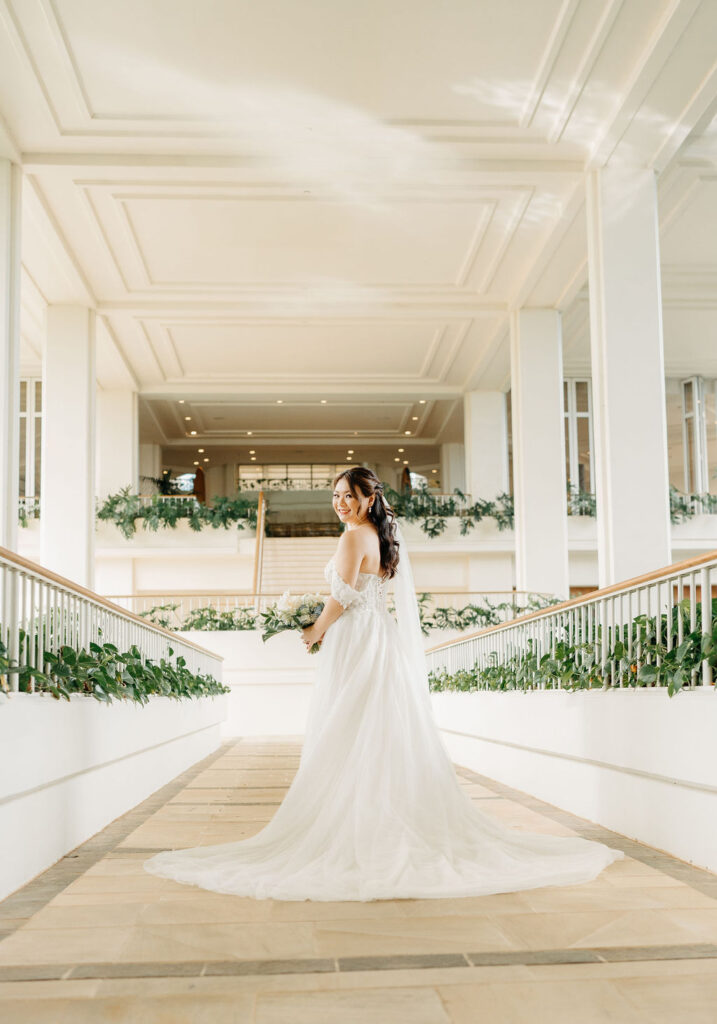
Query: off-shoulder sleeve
point(340, 590)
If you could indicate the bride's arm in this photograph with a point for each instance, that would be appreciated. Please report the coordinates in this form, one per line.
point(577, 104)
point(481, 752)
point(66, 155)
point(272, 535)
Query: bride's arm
point(347, 562)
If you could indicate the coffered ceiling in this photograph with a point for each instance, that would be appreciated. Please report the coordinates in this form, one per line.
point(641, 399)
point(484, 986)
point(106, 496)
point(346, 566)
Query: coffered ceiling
point(323, 200)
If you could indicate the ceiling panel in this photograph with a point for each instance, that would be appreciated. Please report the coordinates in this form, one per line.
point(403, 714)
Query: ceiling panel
point(300, 64)
point(302, 416)
point(313, 350)
point(219, 241)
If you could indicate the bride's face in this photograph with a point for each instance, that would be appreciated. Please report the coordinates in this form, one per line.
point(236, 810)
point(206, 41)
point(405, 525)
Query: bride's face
point(350, 509)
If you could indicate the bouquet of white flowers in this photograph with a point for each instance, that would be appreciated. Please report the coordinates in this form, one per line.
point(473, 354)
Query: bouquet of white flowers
point(292, 613)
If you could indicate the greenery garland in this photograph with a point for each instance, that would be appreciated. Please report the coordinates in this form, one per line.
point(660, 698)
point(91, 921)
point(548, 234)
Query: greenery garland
point(106, 673)
point(208, 619)
point(433, 512)
point(125, 509)
point(470, 616)
point(577, 665)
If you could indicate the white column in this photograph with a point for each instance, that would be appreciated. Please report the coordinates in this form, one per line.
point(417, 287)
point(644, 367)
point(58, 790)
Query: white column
point(541, 522)
point(117, 444)
point(628, 375)
point(10, 187)
point(485, 432)
point(67, 528)
point(150, 464)
point(453, 470)
point(215, 482)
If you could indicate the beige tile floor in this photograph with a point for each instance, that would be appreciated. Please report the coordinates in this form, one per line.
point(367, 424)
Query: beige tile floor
point(96, 938)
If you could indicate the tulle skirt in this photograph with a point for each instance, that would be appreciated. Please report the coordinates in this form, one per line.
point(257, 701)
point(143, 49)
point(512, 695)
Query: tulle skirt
point(375, 810)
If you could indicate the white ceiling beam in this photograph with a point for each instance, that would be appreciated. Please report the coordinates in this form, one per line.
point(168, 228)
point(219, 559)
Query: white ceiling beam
point(269, 308)
point(647, 69)
point(337, 387)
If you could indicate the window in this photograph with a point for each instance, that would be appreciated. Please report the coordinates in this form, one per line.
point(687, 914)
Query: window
point(694, 437)
point(30, 437)
point(578, 436)
point(283, 476)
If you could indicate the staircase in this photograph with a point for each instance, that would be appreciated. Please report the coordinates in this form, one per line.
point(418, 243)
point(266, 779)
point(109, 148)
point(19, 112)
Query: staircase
point(296, 563)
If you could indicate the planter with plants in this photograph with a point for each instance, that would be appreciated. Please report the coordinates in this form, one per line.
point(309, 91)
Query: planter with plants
point(126, 510)
point(670, 656)
point(107, 674)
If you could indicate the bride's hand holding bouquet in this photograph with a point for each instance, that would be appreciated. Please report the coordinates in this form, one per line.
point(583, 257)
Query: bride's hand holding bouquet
point(300, 613)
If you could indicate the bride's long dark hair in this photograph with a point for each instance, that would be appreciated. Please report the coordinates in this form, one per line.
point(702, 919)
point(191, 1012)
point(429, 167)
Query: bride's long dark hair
point(365, 481)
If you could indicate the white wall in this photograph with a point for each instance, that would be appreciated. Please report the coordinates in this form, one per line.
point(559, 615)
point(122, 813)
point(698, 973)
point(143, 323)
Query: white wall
point(635, 761)
point(271, 682)
point(70, 768)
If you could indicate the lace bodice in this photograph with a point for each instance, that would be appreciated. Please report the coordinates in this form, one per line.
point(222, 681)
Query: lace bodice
point(368, 595)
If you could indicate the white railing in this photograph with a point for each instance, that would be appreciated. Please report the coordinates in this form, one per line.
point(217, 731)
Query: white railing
point(40, 611)
point(670, 596)
point(174, 608)
point(145, 500)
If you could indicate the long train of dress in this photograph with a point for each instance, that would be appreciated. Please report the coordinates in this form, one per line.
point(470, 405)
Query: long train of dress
point(375, 810)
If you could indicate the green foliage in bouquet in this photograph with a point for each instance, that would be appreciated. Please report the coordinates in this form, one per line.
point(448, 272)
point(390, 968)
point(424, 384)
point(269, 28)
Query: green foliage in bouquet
point(291, 613)
point(637, 656)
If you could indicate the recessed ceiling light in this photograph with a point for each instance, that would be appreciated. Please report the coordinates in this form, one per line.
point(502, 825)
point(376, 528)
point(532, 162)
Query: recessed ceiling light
point(323, 401)
point(397, 459)
point(249, 433)
point(280, 401)
point(252, 451)
point(407, 432)
point(196, 463)
point(434, 471)
point(405, 462)
point(181, 401)
point(401, 449)
point(206, 460)
point(187, 418)
point(414, 417)
point(201, 451)
point(193, 433)
point(422, 401)
point(253, 458)
point(350, 451)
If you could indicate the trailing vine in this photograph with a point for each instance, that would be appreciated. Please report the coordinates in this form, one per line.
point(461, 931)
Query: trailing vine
point(208, 618)
point(105, 673)
point(126, 510)
point(638, 655)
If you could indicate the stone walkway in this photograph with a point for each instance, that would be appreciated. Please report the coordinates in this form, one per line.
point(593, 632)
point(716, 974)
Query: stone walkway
point(96, 938)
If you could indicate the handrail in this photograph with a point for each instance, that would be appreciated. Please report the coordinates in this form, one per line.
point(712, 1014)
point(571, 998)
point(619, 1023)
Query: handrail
point(593, 595)
point(278, 593)
point(259, 549)
point(649, 630)
point(76, 588)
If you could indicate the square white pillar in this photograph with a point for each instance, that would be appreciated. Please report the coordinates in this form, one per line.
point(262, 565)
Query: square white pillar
point(150, 464)
point(10, 188)
point(67, 521)
point(541, 519)
point(117, 441)
point(629, 428)
point(485, 434)
point(453, 470)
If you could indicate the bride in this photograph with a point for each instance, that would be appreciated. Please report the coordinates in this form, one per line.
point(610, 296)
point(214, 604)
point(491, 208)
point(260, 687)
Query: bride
point(375, 810)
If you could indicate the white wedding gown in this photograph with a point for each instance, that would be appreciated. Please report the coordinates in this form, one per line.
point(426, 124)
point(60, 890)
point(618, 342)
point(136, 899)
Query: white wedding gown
point(375, 810)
